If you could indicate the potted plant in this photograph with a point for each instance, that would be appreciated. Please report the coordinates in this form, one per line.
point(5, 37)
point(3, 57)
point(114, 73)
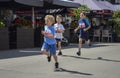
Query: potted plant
point(25, 33)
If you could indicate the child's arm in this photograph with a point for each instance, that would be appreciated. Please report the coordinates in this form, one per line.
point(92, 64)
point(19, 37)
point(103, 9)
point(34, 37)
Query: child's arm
point(86, 29)
point(76, 29)
point(49, 35)
point(60, 31)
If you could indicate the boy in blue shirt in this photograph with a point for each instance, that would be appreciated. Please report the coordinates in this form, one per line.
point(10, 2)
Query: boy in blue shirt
point(83, 27)
point(49, 45)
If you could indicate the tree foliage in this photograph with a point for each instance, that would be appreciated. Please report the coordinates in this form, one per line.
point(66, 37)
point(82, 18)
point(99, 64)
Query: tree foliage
point(116, 20)
point(77, 11)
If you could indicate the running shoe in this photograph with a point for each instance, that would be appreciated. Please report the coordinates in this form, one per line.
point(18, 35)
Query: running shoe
point(78, 53)
point(60, 53)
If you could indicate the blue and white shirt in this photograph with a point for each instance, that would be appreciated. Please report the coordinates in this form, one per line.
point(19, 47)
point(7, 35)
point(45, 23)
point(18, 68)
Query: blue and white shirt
point(49, 29)
point(83, 23)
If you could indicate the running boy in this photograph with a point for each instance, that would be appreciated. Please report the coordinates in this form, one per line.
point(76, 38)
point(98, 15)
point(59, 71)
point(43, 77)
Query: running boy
point(83, 28)
point(49, 45)
point(59, 32)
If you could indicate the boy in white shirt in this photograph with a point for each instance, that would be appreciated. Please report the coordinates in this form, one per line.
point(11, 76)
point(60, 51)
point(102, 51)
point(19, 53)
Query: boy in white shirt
point(59, 28)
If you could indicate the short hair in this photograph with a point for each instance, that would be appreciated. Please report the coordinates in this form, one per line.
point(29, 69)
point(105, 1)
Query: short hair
point(83, 12)
point(50, 17)
point(59, 16)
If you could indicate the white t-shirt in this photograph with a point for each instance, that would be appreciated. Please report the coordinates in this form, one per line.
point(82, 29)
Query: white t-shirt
point(59, 26)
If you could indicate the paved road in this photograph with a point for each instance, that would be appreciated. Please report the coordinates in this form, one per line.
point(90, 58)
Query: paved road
point(101, 60)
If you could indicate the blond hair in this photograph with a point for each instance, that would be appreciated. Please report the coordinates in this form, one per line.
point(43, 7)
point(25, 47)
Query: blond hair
point(50, 17)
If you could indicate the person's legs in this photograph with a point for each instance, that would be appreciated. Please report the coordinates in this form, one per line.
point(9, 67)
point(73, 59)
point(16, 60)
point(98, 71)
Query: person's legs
point(59, 48)
point(87, 42)
point(44, 50)
point(79, 47)
point(56, 61)
point(53, 52)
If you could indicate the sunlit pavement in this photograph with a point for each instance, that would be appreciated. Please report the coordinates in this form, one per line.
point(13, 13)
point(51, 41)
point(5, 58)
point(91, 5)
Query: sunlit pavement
point(101, 60)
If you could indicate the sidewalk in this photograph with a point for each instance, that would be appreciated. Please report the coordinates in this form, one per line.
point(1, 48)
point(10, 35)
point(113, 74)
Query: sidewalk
point(13, 53)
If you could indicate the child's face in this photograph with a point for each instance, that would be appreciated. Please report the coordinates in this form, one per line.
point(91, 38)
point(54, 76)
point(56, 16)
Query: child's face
point(48, 22)
point(82, 15)
point(58, 19)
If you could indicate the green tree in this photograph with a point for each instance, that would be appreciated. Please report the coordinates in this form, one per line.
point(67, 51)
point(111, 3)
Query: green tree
point(77, 11)
point(116, 20)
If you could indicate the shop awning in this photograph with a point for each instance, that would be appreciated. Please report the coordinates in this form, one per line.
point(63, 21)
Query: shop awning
point(64, 3)
point(46, 4)
point(93, 4)
point(107, 4)
point(17, 4)
point(35, 3)
point(60, 4)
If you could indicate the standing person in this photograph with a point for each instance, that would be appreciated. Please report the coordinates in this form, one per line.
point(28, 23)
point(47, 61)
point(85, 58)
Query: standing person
point(59, 32)
point(49, 45)
point(83, 27)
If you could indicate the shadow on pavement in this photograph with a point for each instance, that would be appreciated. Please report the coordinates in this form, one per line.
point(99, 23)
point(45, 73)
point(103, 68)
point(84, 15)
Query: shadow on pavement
point(74, 72)
point(85, 46)
point(18, 53)
point(85, 58)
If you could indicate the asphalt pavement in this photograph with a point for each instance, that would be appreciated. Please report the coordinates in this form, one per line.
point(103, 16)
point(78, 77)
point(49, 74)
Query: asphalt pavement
point(101, 60)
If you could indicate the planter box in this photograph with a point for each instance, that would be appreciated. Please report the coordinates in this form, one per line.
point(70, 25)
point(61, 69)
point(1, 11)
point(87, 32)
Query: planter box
point(4, 39)
point(25, 38)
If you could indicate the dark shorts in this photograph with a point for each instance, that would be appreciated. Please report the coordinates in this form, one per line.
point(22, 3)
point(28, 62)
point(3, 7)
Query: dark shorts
point(84, 36)
point(58, 39)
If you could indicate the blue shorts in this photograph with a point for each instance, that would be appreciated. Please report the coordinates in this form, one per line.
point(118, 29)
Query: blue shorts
point(50, 48)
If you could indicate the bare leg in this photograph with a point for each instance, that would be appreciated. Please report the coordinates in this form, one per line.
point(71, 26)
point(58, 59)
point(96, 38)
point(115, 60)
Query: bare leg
point(43, 51)
point(80, 44)
point(59, 46)
point(55, 58)
point(56, 62)
point(79, 47)
point(88, 42)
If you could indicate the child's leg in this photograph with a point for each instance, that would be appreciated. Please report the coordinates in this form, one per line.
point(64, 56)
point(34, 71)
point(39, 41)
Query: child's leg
point(56, 61)
point(59, 46)
point(45, 48)
point(88, 42)
point(79, 47)
point(55, 58)
point(43, 51)
point(80, 44)
point(53, 52)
